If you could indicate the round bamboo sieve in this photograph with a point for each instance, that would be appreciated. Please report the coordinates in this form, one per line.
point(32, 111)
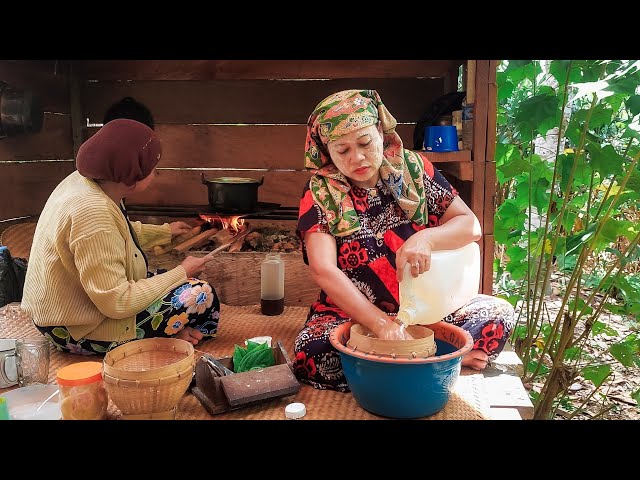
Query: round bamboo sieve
point(422, 346)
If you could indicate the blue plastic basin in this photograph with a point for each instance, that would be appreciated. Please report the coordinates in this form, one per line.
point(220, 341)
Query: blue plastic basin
point(404, 388)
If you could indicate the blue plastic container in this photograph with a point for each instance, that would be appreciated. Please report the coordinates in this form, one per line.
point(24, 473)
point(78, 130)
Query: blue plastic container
point(404, 388)
point(441, 138)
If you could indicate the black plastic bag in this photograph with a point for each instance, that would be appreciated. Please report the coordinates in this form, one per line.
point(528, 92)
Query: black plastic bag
point(441, 106)
point(12, 274)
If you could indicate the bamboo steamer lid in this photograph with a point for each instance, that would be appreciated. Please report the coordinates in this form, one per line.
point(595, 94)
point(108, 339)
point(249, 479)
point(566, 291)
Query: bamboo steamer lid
point(422, 346)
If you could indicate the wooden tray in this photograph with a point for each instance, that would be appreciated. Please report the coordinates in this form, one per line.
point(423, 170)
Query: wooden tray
point(220, 390)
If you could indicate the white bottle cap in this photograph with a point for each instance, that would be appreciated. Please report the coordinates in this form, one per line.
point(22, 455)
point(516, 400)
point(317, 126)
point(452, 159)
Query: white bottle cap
point(295, 410)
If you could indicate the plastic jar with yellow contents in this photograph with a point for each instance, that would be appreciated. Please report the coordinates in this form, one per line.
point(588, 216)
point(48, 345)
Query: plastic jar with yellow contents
point(82, 392)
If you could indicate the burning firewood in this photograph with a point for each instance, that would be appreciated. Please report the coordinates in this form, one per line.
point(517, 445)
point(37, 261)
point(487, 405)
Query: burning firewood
point(197, 241)
point(158, 250)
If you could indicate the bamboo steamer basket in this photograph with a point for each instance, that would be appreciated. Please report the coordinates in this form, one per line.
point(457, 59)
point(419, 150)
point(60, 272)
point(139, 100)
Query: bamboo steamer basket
point(147, 378)
point(423, 344)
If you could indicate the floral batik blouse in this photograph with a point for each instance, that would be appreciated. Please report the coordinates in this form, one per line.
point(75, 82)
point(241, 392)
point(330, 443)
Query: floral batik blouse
point(368, 256)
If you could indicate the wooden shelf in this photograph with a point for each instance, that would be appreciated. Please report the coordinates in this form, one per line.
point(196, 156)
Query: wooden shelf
point(457, 163)
point(440, 157)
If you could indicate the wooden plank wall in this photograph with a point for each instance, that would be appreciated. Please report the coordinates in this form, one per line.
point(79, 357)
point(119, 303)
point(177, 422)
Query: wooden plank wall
point(247, 118)
point(31, 165)
point(232, 118)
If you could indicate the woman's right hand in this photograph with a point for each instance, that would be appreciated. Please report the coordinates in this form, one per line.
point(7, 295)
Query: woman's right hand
point(389, 330)
point(194, 266)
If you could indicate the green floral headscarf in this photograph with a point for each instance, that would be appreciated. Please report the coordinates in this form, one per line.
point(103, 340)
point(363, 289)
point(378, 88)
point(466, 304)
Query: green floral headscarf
point(401, 169)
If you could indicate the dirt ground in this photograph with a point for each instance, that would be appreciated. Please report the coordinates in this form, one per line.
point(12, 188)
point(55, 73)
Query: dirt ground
point(613, 400)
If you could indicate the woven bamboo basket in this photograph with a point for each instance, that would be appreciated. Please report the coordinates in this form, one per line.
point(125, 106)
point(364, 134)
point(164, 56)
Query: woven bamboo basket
point(422, 346)
point(147, 378)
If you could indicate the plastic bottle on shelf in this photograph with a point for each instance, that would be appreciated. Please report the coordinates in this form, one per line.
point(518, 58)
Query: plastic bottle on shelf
point(272, 285)
point(452, 280)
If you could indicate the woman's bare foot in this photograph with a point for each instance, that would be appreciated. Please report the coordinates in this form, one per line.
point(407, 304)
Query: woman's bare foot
point(190, 335)
point(475, 359)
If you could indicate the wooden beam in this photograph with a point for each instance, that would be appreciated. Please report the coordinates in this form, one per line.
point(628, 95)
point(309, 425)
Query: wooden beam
point(254, 101)
point(262, 69)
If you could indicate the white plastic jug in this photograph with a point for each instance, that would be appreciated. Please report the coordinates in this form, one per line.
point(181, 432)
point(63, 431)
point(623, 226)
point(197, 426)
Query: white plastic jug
point(452, 280)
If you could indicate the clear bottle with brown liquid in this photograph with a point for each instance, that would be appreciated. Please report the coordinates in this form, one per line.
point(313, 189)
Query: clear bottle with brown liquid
point(272, 285)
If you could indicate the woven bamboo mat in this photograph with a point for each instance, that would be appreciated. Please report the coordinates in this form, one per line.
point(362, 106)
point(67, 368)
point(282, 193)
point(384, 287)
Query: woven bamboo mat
point(18, 238)
point(238, 323)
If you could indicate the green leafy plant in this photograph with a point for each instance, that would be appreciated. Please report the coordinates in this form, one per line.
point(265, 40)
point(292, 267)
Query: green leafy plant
point(568, 206)
point(255, 357)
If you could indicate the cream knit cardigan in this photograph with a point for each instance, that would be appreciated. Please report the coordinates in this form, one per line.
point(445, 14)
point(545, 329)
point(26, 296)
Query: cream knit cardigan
point(85, 271)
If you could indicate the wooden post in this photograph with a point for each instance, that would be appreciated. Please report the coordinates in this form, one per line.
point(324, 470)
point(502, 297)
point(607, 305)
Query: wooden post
point(77, 112)
point(479, 147)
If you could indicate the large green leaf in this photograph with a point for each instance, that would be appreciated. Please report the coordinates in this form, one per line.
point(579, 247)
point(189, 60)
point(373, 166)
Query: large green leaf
point(537, 114)
point(589, 70)
point(516, 253)
point(515, 166)
point(605, 160)
point(633, 104)
point(626, 351)
point(636, 396)
point(601, 115)
point(519, 70)
point(625, 84)
point(633, 183)
point(510, 215)
point(574, 241)
point(558, 68)
point(597, 373)
point(505, 90)
point(517, 270)
point(539, 194)
point(566, 263)
point(601, 327)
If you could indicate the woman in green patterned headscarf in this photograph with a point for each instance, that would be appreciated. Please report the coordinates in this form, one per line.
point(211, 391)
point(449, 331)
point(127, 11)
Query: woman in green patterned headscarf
point(401, 170)
point(363, 216)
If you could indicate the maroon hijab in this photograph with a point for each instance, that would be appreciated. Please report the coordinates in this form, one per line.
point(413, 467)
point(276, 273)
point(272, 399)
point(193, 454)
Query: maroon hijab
point(123, 151)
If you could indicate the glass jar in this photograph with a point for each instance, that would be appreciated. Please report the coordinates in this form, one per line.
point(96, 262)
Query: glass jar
point(82, 392)
point(272, 285)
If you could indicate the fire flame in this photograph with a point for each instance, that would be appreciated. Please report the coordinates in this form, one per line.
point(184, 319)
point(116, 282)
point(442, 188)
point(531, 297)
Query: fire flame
point(232, 223)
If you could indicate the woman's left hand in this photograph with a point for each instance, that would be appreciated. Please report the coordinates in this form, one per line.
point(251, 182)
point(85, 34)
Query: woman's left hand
point(178, 228)
point(416, 251)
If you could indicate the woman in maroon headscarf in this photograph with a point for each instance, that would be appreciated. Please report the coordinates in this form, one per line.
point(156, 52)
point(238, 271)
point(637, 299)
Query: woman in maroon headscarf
point(87, 286)
point(370, 208)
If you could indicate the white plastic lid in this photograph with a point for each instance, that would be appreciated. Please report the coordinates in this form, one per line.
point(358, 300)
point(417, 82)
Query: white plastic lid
point(295, 410)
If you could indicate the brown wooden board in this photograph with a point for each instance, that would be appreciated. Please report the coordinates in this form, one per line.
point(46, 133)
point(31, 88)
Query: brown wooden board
point(260, 69)
point(479, 149)
point(479, 138)
point(255, 101)
point(185, 187)
point(53, 142)
point(243, 146)
point(27, 186)
point(237, 278)
point(45, 78)
point(251, 386)
point(440, 157)
point(490, 182)
point(460, 170)
point(488, 246)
